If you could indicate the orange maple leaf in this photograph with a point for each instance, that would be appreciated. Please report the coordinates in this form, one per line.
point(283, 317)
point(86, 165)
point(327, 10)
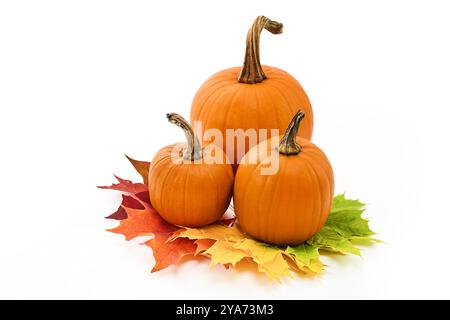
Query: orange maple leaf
point(138, 218)
point(169, 252)
point(147, 222)
point(142, 167)
point(143, 222)
point(202, 245)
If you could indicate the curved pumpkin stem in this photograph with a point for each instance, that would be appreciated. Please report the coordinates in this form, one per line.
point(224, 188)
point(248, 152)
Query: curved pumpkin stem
point(252, 71)
point(288, 145)
point(193, 150)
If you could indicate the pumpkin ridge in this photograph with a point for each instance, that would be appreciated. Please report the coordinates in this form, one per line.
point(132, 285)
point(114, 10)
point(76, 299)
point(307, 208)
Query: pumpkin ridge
point(313, 169)
point(271, 217)
point(187, 176)
point(212, 109)
point(311, 183)
point(275, 110)
point(262, 190)
point(257, 100)
point(213, 180)
point(209, 93)
point(157, 161)
point(163, 186)
point(206, 92)
point(153, 168)
point(301, 94)
point(291, 86)
point(287, 102)
point(229, 105)
point(248, 180)
point(316, 158)
point(294, 108)
point(296, 87)
point(244, 193)
point(278, 84)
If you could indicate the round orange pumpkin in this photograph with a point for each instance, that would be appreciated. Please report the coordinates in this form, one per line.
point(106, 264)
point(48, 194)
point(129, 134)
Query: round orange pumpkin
point(292, 203)
point(188, 185)
point(251, 97)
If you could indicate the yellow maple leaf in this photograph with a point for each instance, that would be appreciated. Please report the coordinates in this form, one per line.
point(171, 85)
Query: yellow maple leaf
point(269, 259)
point(232, 246)
point(214, 232)
point(223, 252)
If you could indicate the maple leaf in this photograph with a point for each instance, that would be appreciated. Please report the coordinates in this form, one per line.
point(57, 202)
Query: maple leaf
point(119, 214)
point(270, 259)
point(203, 245)
point(126, 186)
point(232, 246)
point(223, 252)
point(212, 232)
point(140, 190)
point(129, 202)
point(330, 240)
point(306, 257)
point(138, 218)
point(224, 243)
point(345, 217)
point(169, 252)
point(143, 222)
point(142, 167)
point(344, 228)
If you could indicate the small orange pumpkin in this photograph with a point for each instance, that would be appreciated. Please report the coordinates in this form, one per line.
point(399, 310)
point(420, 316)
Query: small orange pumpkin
point(251, 97)
point(291, 205)
point(188, 185)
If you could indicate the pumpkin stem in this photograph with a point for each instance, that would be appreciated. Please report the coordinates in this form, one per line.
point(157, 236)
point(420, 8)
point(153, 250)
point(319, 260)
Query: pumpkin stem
point(193, 149)
point(252, 71)
point(288, 145)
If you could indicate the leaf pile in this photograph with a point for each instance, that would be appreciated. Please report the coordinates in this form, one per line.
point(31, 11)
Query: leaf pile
point(223, 242)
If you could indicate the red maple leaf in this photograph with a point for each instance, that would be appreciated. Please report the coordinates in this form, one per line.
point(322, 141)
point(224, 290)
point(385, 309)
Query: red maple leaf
point(129, 202)
point(126, 186)
point(137, 218)
point(147, 222)
point(143, 222)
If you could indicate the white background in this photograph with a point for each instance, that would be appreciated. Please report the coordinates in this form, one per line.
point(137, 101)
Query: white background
point(82, 82)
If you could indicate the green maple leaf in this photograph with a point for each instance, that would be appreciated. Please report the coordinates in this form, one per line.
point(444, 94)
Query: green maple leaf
point(329, 239)
point(306, 256)
point(344, 229)
point(345, 218)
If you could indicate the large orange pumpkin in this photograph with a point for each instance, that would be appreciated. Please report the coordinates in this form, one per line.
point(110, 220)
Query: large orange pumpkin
point(251, 97)
point(290, 205)
point(188, 185)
